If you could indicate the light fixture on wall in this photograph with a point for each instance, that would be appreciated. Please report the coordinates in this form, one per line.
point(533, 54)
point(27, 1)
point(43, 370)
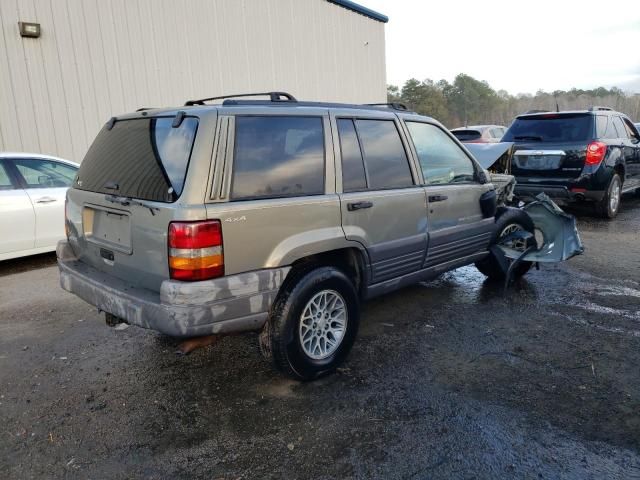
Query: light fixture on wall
point(28, 29)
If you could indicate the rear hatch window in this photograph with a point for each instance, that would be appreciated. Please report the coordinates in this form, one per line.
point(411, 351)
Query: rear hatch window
point(145, 158)
point(555, 128)
point(467, 135)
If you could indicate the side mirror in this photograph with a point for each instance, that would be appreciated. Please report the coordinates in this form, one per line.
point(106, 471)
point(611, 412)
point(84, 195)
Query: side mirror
point(483, 177)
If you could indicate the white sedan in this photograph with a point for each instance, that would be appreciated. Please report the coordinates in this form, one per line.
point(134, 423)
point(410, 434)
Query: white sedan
point(32, 196)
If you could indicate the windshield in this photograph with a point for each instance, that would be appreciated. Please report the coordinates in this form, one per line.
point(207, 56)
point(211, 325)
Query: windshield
point(141, 158)
point(551, 128)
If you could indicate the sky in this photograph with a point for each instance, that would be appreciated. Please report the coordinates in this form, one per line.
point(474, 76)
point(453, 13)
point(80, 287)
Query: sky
point(519, 46)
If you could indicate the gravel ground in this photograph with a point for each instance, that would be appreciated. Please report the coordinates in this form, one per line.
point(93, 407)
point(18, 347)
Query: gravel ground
point(448, 379)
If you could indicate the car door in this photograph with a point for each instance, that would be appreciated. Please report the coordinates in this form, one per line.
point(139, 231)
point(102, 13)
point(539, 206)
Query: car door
point(632, 155)
point(46, 182)
point(17, 217)
point(383, 208)
point(457, 227)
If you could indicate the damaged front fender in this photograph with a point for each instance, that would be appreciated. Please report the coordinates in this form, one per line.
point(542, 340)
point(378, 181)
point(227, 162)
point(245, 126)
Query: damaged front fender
point(557, 237)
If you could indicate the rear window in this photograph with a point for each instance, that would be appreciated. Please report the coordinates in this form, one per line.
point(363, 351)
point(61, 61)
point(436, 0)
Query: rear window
point(143, 158)
point(551, 128)
point(466, 135)
point(278, 156)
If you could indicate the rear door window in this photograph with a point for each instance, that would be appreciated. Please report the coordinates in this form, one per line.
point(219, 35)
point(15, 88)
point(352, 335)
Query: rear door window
point(601, 126)
point(353, 173)
point(278, 156)
point(143, 158)
point(551, 128)
point(384, 155)
point(38, 173)
point(622, 132)
point(441, 159)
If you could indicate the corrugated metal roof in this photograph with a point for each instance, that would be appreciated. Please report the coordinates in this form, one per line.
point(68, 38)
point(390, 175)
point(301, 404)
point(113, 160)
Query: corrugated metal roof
point(362, 10)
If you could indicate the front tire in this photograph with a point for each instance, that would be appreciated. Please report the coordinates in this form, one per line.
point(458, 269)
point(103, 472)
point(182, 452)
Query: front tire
point(508, 221)
point(313, 323)
point(609, 206)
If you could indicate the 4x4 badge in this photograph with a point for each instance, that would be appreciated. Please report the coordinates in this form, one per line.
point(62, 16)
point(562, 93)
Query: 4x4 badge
point(235, 219)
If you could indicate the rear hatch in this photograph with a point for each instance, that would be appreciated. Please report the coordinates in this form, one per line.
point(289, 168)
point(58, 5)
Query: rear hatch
point(549, 146)
point(125, 194)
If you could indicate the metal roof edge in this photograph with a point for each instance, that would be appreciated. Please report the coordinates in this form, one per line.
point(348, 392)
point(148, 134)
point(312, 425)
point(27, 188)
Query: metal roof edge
point(360, 9)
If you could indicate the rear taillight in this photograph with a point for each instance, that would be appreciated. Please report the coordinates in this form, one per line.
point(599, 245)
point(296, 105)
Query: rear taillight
point(595, 153)
point(195, 250)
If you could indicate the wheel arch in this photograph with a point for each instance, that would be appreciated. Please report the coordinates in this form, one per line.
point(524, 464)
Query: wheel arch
point(352, 260)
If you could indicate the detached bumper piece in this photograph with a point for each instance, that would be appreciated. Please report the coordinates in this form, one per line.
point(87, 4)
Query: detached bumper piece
point(558, 238)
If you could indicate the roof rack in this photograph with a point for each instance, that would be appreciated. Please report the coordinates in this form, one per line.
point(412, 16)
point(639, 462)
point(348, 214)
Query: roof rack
point(274, 97)
point(394, 105)
point(596, 108)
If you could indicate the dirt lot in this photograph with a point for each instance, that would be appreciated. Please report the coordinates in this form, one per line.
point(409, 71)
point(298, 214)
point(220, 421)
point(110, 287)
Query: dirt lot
point(448, 379)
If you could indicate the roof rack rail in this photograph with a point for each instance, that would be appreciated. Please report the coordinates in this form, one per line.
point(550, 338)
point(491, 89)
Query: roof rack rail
point(596, 108)
point(274, 97)
point(394, 105)
point(145, 108)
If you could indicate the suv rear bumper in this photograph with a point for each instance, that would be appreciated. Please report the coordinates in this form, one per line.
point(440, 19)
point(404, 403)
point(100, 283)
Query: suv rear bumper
point(558, 193)
point(181, 309)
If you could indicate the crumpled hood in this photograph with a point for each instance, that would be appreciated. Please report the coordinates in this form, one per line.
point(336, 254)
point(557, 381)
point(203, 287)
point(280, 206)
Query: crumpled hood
point(488, 153)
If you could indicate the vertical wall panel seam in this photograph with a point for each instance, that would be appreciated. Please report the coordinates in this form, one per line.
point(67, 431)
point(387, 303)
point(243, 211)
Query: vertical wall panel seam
point(64, 90)
point(48, 90)
point(96, 114)
point(13, 95)
point(104, 59)
point(28, 86)
point(153, 52)
point(271, 51)
point(246, 43)
point(295, 57)
point(117, 55)
point(188, 57)
point(75, 63)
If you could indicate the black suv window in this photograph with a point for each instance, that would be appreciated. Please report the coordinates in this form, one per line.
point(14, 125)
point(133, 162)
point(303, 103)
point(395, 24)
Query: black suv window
point(551, 127)
point(384, 156)
point(441, 159)
point(601, 126)
point(278, 156)
point(622, 132)
point(631, 131)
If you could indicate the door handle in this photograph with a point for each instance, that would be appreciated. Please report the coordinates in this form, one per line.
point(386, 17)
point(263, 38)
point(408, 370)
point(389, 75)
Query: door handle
point(358, 205)
point(45, 200)
point(437, 198)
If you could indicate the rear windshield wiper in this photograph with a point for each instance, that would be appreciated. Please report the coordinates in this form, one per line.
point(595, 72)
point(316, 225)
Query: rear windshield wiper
point(535, 138)
point(126, 201)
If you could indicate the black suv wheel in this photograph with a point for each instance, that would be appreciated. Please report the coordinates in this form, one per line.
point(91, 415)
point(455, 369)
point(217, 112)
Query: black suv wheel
point(610, 204)
point(313, 323)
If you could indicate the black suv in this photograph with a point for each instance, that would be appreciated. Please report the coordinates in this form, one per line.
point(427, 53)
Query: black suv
point(589, 155)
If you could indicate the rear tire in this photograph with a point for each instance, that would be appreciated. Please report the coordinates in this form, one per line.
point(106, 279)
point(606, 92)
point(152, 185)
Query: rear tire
point(511, 219)
point(609, 206)
point(313, 323)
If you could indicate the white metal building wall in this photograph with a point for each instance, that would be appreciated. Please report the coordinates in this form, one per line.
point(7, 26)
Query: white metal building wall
point(99, 58)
